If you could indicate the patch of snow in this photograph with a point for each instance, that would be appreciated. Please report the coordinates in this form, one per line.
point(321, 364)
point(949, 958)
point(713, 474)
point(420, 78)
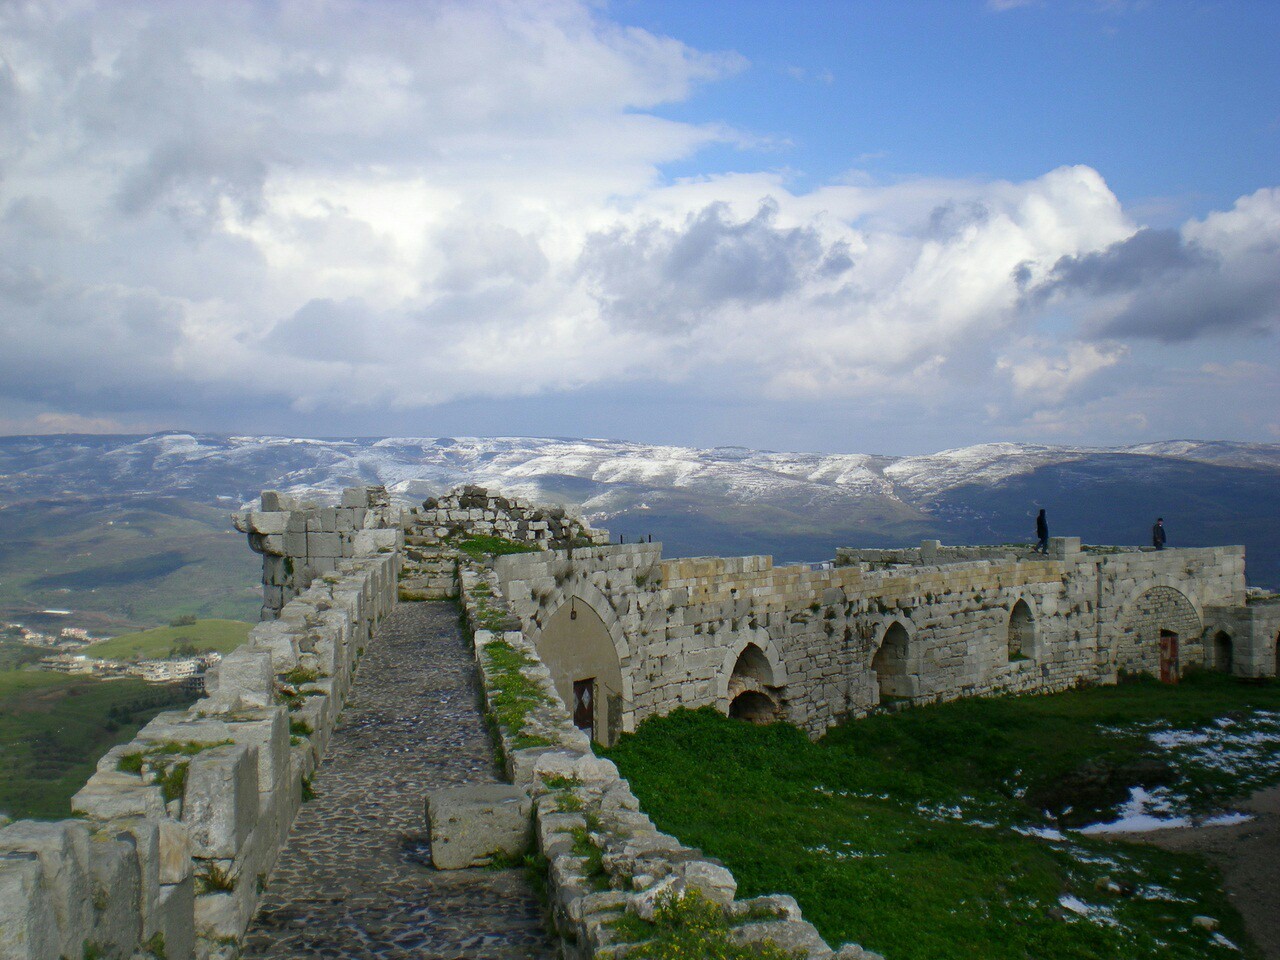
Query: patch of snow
point(1227, 819)
point(1140, 814)
point(1044, 833)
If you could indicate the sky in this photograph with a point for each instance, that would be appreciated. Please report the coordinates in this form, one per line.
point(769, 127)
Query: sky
point(831, 226)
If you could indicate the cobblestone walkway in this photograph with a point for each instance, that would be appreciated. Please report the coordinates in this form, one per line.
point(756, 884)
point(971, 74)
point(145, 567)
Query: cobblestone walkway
point(355, 880)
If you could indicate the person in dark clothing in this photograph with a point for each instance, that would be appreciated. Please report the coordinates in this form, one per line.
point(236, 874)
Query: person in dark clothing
point(1157, 534)
point(1042, 533)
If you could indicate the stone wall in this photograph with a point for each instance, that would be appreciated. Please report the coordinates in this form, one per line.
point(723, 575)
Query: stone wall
point(179, 828)
point(604, 858)
point(475, 511)
point(301, 540)
point(1252, 631)
point(679, 627)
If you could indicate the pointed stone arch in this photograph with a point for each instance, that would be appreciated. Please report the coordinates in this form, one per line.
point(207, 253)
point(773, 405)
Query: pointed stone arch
point(581, 638)
point(893, 660)
point(752, 679)
point(1021, 630)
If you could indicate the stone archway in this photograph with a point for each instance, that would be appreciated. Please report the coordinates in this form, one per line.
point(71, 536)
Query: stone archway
point(752, 680)
point(892, 663)
point(578, 648)
point(1021, 632)
point(1157, 612)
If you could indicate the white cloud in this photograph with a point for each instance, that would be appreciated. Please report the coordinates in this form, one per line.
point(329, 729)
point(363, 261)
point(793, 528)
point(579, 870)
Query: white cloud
point(337, 205)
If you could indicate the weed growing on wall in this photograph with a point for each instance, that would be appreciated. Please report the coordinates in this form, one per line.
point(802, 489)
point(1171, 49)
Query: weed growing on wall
point(688, 927)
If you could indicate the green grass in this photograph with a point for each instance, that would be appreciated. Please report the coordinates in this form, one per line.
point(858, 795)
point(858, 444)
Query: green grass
point(479, 546)
point(204, 636)
point(897, 831)
point(53, 728)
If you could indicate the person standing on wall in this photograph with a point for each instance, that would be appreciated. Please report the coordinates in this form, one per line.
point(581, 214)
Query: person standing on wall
point(1157, 534)
point(1042, 534)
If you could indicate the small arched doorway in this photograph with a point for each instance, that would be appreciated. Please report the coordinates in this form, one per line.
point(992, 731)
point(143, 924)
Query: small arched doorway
point(1223, 652)
point(891, 662)
point(1022, 632)
point(752, 694)
point(576, 646)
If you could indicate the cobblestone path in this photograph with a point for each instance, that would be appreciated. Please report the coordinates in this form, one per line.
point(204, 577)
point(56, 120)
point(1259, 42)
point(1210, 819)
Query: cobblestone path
point(355, 880)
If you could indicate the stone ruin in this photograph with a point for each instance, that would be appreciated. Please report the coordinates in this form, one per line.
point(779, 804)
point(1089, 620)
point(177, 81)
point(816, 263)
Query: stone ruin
point(144, 867)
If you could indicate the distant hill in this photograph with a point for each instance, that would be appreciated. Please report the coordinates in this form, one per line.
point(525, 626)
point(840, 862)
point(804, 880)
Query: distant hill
point(796, 506)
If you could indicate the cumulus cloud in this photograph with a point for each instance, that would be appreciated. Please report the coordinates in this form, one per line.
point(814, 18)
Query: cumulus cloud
point(1216, 275)
point(329, 206)
point(668, 278)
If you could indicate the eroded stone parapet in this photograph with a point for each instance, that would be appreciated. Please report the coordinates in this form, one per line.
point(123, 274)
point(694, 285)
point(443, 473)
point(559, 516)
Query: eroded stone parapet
point(221, 804)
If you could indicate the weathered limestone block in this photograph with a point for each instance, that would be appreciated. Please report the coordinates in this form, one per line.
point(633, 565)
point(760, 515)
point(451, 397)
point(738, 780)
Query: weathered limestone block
point(245, 676)
point(175, 915)
point(280, 639)
point(221, 803)
point(469, 824)
point(28, 927)
point(110, 796)
point(788, 935)
point(63, 852)
point(267, 729)
point(116, 885)
point(174, 860)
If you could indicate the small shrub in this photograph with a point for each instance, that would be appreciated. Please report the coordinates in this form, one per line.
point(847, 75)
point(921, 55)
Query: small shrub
point(215, 879)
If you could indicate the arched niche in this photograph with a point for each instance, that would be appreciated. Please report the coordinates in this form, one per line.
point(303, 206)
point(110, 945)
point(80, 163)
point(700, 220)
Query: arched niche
point(581, 652)
point(752, 666)
point(1021, 632)
point(892, 662)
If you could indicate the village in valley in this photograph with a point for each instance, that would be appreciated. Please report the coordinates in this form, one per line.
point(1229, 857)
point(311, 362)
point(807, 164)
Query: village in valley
point(69, 650)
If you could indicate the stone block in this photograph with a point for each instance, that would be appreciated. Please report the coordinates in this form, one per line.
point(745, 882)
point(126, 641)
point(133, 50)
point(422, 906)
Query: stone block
point(789, 936)
point(245, 675)
point(109, 796)
point(327, 544)
point(174, 861)
point(272, 523)
point(280, 639)
point(117, 893)
point(63, 852)
point(28, 927)
point(367, 543)
point(175, 919)
point(221, 804)
point(469, 824)
point(267, 729)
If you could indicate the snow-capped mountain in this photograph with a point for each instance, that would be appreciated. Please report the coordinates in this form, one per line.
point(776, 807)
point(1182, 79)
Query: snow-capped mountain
point(716, 500)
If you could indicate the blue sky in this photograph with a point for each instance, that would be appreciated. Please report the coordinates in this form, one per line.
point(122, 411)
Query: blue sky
point(824, 226)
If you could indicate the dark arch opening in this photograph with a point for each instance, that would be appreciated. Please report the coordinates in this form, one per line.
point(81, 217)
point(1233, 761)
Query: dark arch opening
point(890, 663)
point(1223, 654)
point(754, 664)
point(1022, 632)
point(754, 707)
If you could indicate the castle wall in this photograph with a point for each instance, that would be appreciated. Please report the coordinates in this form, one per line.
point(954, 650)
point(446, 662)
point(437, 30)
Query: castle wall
point(179, 828)
point(681, 624)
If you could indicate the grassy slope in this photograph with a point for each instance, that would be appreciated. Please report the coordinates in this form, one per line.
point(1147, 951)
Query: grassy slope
point(204, 636)
point(53, 728)
point(133, 561)
point(862, 827)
